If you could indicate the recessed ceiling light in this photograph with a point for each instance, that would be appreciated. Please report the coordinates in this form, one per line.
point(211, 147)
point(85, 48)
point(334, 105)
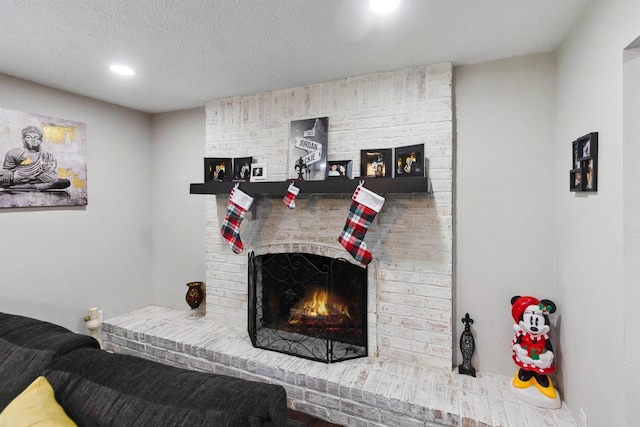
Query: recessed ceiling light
point(122, 70)
point(384, 6)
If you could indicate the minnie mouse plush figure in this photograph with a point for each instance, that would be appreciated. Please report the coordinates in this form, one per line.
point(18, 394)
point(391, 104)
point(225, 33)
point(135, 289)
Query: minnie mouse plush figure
point(532, 350)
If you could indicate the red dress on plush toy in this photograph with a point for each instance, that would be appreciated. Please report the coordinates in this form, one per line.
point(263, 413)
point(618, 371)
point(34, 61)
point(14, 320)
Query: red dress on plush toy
point(532, 350)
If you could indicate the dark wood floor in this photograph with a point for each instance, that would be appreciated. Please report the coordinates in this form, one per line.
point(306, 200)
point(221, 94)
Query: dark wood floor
point(309, 420)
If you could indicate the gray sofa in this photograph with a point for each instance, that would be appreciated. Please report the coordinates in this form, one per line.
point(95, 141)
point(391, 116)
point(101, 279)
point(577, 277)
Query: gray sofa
point(97, 388)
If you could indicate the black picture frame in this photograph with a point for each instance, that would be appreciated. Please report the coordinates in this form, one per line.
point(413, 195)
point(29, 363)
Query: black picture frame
point(576, 180)
point(309, 142)
point(340, 169)
point(584, 157)
point(217, 169)
point(242, 168)
point(376, 163)
point(409, 161)
point(591, 175)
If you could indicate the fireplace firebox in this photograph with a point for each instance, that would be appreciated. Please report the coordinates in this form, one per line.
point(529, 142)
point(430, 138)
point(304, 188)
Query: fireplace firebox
point(309, 306)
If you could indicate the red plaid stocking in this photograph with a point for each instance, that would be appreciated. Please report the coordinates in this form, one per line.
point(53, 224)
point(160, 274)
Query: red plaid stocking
point(239, 202)
point(366, 204)
point(290, 198)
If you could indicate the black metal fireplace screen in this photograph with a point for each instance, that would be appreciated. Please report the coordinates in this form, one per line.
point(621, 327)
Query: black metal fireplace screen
point(310, 306)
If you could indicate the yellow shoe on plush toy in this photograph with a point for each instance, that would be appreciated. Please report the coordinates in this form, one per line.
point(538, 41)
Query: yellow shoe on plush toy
point(518, 383)
point(548, 391)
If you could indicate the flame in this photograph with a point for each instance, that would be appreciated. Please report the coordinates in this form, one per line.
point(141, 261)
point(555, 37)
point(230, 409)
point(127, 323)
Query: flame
point(318, 304)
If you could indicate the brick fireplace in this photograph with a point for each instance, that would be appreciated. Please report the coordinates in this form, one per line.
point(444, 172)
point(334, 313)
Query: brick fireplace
point(409, 281)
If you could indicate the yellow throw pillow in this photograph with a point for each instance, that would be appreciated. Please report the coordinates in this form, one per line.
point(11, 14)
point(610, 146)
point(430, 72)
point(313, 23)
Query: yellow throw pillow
point(36, 406)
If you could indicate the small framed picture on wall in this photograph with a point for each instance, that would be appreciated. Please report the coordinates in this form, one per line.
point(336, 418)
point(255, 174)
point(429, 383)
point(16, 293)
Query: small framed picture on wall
point(583, 175)
point(576, 181)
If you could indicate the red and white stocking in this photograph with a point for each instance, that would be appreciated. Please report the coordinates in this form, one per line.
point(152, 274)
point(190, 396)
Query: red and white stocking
point(290, 198)
point(364, 208)
point(239, 203)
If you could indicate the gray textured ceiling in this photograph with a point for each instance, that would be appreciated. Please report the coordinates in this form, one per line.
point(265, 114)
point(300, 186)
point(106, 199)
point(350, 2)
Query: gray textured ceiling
point(188, 52)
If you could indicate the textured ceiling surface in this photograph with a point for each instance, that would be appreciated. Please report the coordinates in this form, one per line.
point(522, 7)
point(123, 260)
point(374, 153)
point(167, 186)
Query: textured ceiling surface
point(189, 52)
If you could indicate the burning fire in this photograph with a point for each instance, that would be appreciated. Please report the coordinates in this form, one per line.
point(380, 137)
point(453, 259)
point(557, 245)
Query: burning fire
point(318, 304)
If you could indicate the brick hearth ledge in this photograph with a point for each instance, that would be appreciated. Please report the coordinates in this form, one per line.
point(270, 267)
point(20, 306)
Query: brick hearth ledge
point(366, 392)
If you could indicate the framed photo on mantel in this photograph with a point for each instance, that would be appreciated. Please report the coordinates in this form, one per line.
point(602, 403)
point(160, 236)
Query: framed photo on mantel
point(217, 169)
point(308, 149)
point(258, 172)
point(376, 163)
point(242, 168)
point(340, 169)
point(410, 161)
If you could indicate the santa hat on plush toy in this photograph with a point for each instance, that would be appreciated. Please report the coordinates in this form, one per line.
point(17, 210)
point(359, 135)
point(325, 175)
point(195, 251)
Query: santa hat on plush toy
point(520, 305)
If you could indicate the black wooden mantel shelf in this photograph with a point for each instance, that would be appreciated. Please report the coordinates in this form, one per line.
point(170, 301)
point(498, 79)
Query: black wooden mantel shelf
point(327, 186)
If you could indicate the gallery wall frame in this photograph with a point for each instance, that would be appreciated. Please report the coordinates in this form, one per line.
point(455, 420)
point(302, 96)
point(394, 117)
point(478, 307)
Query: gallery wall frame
point(583, 177)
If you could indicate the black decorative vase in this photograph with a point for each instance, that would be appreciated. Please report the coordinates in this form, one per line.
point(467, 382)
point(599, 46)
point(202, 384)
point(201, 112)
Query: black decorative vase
point(467, 347)
point(194, 297)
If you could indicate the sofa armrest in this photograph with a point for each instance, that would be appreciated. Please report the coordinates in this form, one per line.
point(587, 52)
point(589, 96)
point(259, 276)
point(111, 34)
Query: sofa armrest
point(27, 347)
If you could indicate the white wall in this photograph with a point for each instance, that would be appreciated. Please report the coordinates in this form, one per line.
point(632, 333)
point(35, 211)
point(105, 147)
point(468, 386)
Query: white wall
point(55, 263)
point(504, 198)
point(590, 228)
point(631, 153)
point(178, 217)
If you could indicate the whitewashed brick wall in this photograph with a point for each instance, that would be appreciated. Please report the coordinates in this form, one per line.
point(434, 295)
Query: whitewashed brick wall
point(410, 282)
